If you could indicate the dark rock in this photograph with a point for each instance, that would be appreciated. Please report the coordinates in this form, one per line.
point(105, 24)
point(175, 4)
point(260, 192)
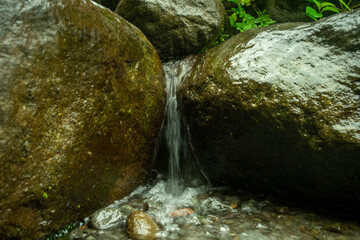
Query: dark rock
point(293, 10)
point(140, 226)
point(175, 28)
point(336, 227)
point(276, 110)
point(285, 10)
point(81, 103)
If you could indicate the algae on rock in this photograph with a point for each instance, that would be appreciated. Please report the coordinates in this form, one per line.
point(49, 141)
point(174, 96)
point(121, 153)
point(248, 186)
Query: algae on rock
point(81, 104)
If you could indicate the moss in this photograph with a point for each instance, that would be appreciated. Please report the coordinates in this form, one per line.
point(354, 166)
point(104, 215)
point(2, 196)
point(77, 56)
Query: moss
point(87, 111)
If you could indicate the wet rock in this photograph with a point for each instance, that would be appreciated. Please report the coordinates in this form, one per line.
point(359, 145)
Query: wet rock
point(139, 225)
point(181, 212)
point(111, 4)
point(292, 11)
point(212, 206)
point(81, 103)
point(175, 28)
point(336, 227)
point(106, 218)
point(285, 10)
point(282, 210)
point(127, 209)
point(278, 112)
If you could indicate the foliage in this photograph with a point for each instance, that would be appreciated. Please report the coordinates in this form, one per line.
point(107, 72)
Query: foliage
point(240, 21)
point(243, 21)
point(222, 37)
point(327, 6)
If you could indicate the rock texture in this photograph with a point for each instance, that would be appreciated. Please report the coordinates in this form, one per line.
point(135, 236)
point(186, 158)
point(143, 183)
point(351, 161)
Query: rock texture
point(140, 226)
point(286, 10)
point(109, 217)
point(111, 4)
point(81, 102)
point(175, 28)
point(277, 110)
point(293, 10)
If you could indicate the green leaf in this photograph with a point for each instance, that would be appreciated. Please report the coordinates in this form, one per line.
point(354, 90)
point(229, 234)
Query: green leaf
point(331, 9)
point(233, 19)
point(313, 12)
point(325, 4)
point(317, 4)
point(345, 5)
point(315, 19)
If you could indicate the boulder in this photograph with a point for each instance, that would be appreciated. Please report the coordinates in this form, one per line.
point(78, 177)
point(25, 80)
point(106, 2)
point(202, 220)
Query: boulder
point(292, 10)
point(285, 10)
point(175, 28)
point(140, 226)
point(81, 104)
point(111, 4)
point(276, 110)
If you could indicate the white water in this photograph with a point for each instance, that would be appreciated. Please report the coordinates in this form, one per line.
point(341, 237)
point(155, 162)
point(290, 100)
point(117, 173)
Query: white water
point(217, 213)
point(176, 145)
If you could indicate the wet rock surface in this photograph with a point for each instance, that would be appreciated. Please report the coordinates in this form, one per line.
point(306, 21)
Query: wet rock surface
point(106, 218)
point(232, 215)
point(139, 225)
point(279, 113)
point(111, 4)
point(175, 28)
point(81, 102)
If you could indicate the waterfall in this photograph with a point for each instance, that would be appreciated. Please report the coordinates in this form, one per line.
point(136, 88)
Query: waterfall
point(181, 167)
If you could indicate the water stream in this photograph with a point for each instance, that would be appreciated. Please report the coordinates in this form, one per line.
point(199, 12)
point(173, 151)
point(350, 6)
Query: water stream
point(213, 213)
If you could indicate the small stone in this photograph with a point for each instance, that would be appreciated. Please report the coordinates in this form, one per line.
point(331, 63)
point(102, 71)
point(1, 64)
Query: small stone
point(233, 205)
point(302, 229)
point(140, 226)
point(336, 227)
point(106, 218)
point(282, 210)
point(182, 212)
point(314, 232)
point(127, 209)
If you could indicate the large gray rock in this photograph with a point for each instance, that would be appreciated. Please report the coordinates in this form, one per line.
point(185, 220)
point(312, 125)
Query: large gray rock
point(81, 104)
point(277, 110)
point(175, 28)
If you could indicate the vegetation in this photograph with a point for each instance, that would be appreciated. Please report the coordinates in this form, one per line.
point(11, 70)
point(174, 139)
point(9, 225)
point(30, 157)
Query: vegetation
point(243, 21)
point(240, 20)
point(327, 6)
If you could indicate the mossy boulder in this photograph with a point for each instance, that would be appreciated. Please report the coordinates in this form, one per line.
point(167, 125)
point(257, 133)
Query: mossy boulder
point(276, 110)
point(81, 104)
point(175, 28)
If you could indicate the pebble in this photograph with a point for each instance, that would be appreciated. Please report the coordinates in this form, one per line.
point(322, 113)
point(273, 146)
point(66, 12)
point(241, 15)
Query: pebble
point(220, 215)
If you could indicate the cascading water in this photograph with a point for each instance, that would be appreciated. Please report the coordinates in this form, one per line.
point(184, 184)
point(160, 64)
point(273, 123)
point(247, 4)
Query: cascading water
point(173, 129)
point(176, 142)
point(188, 211)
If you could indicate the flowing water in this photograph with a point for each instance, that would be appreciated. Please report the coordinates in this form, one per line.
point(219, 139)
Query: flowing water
point(212, 213)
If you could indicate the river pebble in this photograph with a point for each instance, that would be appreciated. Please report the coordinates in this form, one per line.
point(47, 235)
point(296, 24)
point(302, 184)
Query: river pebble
point(218, 213)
